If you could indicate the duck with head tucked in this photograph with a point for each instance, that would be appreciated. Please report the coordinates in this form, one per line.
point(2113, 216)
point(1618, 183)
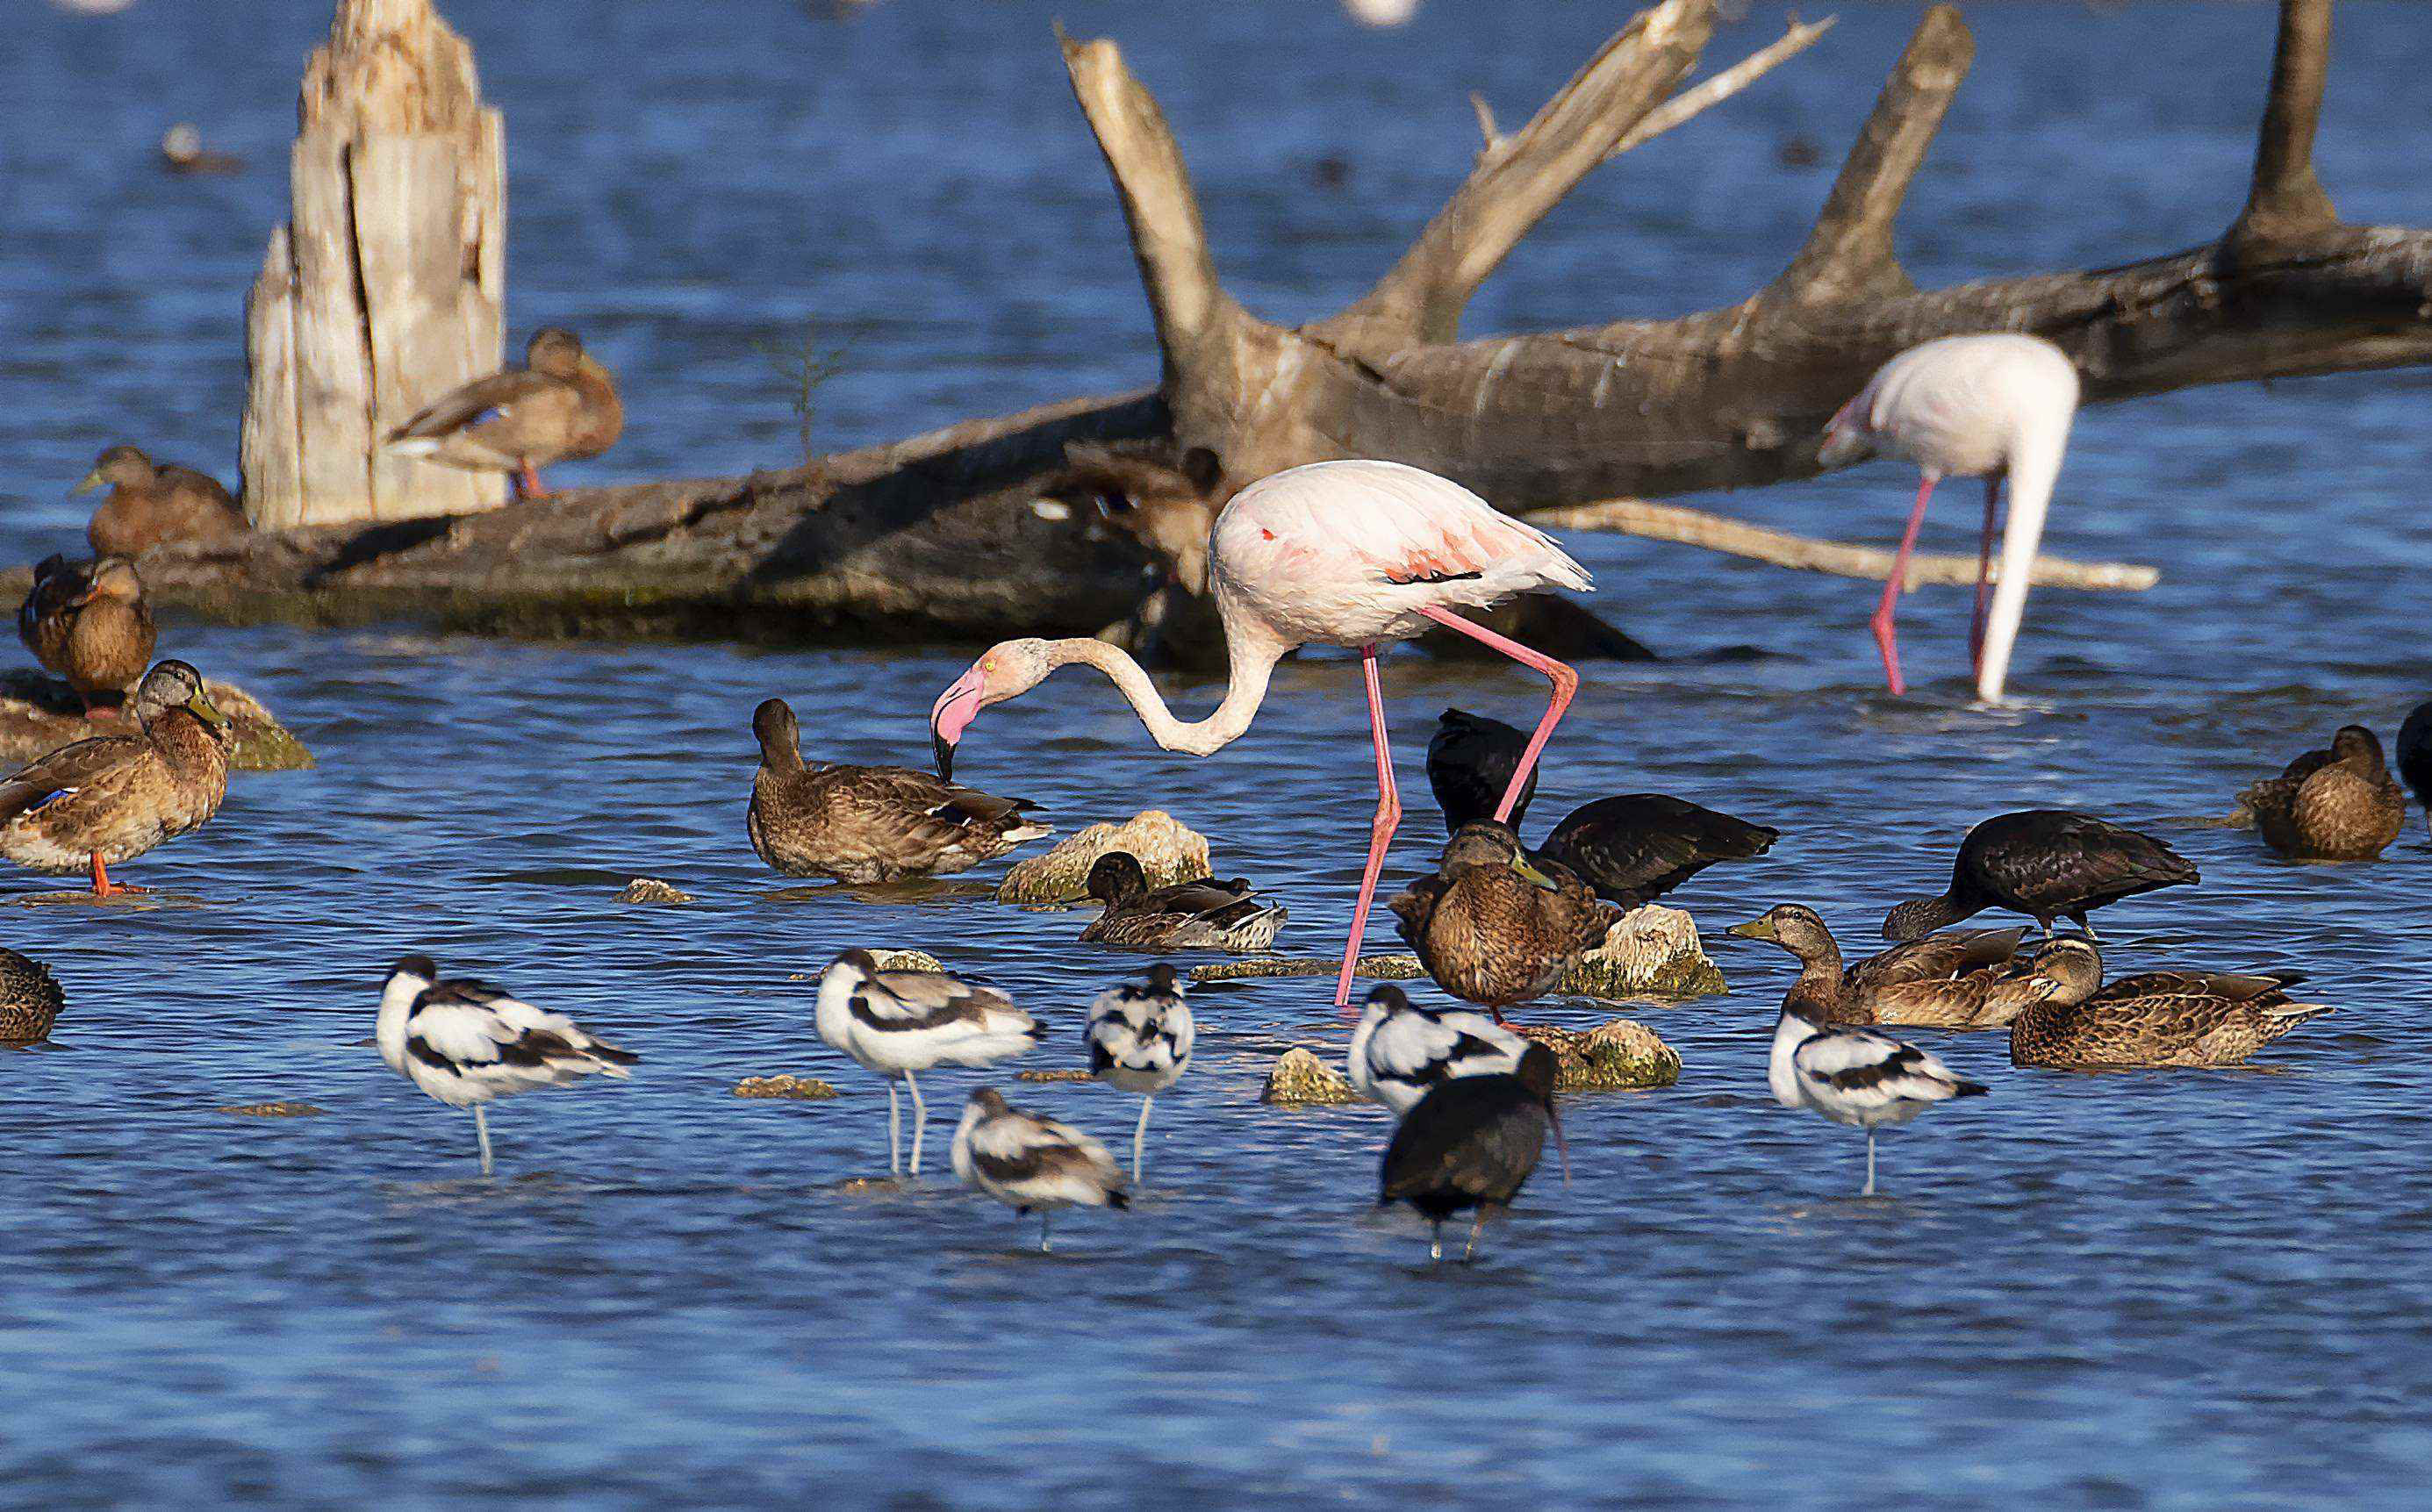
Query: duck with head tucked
point(1493, 926)
point(2339, 804)
point(88, 623)
point(151, 503)
point(561, 405)
point(1206, 914)
point(115, 797)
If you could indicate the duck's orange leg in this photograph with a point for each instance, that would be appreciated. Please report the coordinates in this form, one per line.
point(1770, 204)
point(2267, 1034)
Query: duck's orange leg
point(103, 887)
point(528, 482)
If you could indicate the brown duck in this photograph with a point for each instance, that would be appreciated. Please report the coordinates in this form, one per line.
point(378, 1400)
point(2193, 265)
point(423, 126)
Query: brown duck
point(1961, 979)
point(30, 999)
point(1206, 914)
point(1494, 928)
point(88, 622)
point(2152, 1018)
point(870, 824)
point(2339, 804)
point(560, 405)
point(115, 797)
point(151, 502)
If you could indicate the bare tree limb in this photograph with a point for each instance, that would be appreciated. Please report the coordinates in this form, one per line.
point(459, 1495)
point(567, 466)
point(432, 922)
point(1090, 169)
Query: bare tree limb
point(1167, 236)
point(2287, 201)
point(1494, 138)
point(1848, 255)
point(1510, 192)
point(1718, 533)
point(1709, 92)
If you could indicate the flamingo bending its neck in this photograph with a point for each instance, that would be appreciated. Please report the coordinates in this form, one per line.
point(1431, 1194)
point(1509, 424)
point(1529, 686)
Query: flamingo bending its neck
point(1985, 407)
point(1357, 554)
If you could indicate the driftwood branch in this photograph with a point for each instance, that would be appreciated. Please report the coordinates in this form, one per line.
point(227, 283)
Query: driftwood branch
point(1520, 178)
point(1781, 548)
point(1159, 206)
point(1849, 254)
point(948, 534)
point(1708, 92)
point(2286, 202)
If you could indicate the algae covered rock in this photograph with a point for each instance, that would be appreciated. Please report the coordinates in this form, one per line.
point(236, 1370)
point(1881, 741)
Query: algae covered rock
point(1620, 1055)
point(799, 1088)
point(1168, 850)
point(1068, 1074)
point(274, 1110)
point(39, 715)
point(1401, 967)
point(907, 961)
point(1301, 1079)
point(1651, 951)
point(651, 890)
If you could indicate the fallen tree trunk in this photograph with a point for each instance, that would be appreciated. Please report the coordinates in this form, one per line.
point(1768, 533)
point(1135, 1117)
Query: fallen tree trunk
point(944, 533)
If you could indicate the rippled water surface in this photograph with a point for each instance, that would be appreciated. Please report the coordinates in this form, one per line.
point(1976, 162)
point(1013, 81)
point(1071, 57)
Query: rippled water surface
point(2193, 1289)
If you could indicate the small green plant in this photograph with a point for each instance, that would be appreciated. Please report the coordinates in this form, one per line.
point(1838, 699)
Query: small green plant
point(805, 367)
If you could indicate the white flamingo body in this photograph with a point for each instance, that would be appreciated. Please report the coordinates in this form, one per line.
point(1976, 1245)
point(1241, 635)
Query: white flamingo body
point(1357, 554)
point(1992, 406)
point(1353, 553)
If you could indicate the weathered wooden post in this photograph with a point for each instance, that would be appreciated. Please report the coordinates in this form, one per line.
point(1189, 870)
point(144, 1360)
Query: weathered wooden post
point(385, 287)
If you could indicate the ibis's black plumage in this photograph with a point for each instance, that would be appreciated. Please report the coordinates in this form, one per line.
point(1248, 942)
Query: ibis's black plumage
point(1472, 1142)
point(1637, 847)
point(2415, 753)
point(2046, 863)
point(1470, 762)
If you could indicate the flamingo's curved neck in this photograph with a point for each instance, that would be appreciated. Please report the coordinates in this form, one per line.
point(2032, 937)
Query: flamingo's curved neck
point(2033, 470)
point(1253, 662)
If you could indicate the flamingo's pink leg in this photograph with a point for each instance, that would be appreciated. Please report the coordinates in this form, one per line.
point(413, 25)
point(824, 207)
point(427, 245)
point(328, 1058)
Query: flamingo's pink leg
point(1389, 815)
point(1566, 682)
point(1984, 573)
point(1885, 638)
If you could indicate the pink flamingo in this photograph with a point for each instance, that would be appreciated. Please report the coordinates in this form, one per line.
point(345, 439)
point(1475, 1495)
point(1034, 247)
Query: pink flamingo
point(1336, 553)
point(1967, 407)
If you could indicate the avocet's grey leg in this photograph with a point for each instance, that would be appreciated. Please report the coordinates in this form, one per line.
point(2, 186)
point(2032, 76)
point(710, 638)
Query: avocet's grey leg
point(482, 1132)
point(920, 1119)
point(1871, 1165)
point(894, 1131)
point(1139, 1134)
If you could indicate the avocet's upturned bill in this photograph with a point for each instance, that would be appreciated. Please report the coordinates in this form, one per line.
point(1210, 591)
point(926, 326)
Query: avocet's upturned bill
point(467, 1043)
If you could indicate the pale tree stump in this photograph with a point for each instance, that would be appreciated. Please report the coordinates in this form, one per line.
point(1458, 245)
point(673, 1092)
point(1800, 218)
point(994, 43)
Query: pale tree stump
point(386, 287)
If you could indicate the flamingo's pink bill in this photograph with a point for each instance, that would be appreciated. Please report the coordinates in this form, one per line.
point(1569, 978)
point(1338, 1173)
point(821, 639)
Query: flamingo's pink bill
point(950, 716)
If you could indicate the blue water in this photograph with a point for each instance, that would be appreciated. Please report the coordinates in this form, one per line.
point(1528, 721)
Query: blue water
point(2191, 1289)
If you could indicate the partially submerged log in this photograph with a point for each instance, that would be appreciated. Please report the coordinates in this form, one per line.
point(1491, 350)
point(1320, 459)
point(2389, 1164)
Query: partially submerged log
point(385, 288)
point(943, 535)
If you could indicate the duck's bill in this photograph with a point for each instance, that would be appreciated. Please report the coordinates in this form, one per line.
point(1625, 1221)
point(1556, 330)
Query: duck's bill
point(1530, 874)
point(92, 481)
point(201, 707)
point(1755, 928)
point(950, 716)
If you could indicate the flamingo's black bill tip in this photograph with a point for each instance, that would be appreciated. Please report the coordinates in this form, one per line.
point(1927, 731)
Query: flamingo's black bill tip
point(944, 750)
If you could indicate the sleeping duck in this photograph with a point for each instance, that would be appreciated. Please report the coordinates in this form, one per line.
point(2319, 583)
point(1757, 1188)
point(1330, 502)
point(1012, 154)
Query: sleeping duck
point(151, 502)
point(1206, 914)
point(87, 622)
point(560, 405)
point(115, 797)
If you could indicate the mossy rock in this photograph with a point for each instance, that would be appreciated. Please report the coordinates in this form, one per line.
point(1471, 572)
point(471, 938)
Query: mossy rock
point(274, 1110)
point(799, 1088)
point(907, 961)
point(1620, 1055)
point(1651, 951)
point(1168, 849)
point(39, 715)
point(651, 890)
point(1068, 1074)
point(1300, 1079)
point(1403, 967)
